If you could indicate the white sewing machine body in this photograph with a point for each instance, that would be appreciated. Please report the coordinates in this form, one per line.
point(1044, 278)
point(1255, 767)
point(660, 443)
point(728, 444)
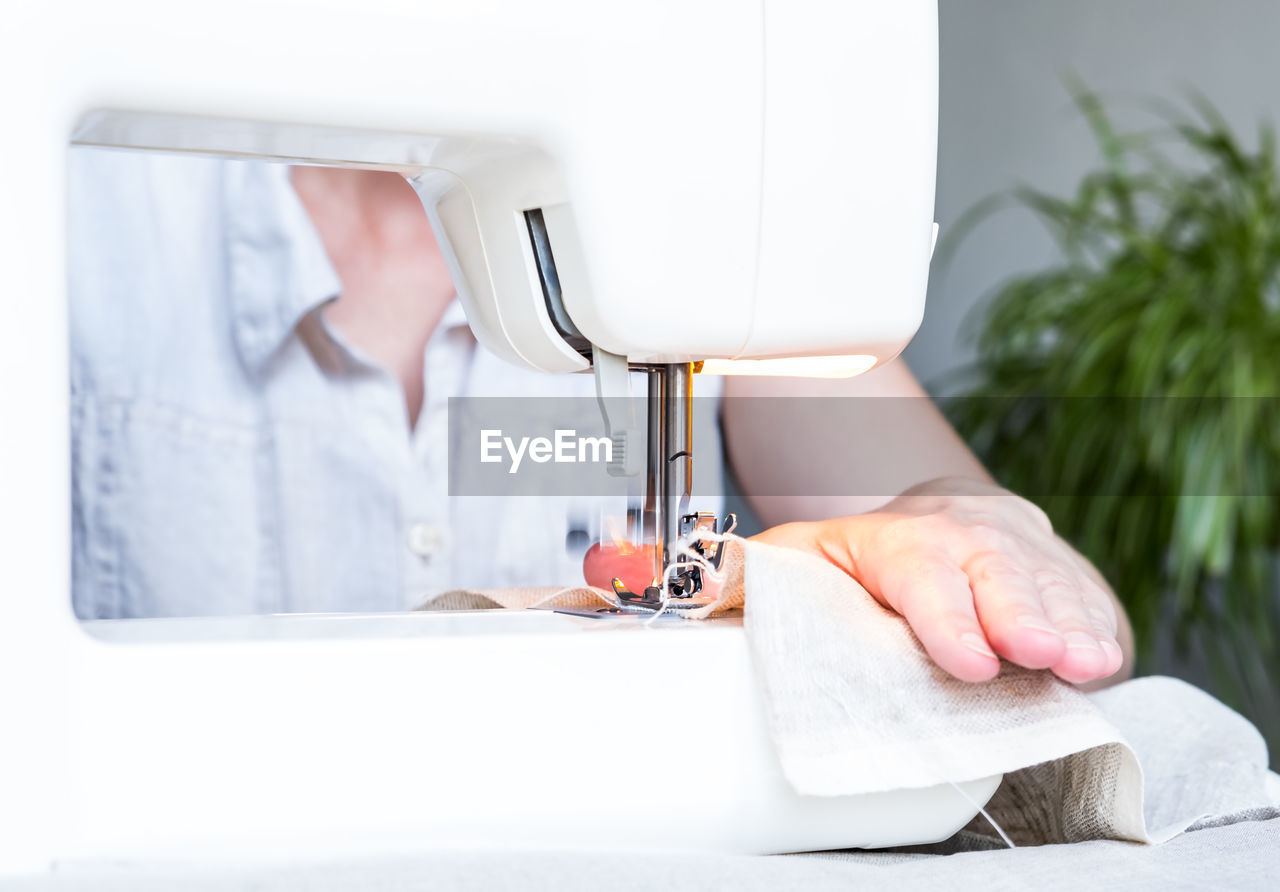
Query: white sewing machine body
point(707, 196)
point(490, 728)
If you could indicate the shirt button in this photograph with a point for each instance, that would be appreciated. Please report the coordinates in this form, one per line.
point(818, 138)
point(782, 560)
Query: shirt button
point(424, 540)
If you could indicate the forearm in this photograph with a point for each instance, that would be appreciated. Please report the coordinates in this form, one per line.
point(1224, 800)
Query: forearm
point(807, 449)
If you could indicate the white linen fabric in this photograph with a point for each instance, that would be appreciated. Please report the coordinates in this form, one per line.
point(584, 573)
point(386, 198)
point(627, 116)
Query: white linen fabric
point(1238, 853)
point(856, 705)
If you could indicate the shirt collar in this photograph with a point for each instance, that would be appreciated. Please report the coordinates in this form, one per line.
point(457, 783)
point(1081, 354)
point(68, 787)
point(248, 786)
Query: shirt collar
point(278, 270)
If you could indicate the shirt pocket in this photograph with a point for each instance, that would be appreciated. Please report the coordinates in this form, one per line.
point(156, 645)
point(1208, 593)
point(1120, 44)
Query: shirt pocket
point(183, 524)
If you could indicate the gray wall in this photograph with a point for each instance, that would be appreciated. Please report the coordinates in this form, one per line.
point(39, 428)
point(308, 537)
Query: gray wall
point(1006, 116)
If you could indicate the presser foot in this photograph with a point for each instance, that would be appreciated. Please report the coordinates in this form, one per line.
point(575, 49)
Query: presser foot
point(685, 582)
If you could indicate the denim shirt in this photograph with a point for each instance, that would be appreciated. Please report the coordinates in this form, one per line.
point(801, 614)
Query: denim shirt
point(231, 454)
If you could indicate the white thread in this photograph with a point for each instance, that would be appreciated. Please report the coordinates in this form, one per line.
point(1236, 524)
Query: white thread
point(692, 560)
point(982, 811)
point(657, 613)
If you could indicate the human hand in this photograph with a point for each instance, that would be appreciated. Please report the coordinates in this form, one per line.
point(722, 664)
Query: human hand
point(977, 572)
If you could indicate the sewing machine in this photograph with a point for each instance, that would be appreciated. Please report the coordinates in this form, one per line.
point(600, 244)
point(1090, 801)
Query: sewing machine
point(671, 187)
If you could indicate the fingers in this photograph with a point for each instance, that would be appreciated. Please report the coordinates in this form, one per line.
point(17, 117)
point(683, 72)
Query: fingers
point(936, 601)
point(1038, 603)
point(1089, 630)
point(1009, 605)
point(974, 588)
point(1053, 618)
point(993, 606)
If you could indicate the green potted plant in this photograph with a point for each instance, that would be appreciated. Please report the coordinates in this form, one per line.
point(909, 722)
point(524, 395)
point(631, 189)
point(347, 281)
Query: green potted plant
point(1130, 388)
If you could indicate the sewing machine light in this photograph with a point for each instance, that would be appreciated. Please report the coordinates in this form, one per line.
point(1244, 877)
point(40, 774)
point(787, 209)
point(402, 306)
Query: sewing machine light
point(794, 366)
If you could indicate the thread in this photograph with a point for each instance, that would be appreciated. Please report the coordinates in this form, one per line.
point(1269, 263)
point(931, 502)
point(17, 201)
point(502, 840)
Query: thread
point(982, 811)
point(688, 558)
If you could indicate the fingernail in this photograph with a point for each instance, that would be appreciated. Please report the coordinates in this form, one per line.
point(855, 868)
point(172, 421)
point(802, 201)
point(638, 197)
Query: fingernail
point(977, 644)
point(1038, 624)
point(1081, 641)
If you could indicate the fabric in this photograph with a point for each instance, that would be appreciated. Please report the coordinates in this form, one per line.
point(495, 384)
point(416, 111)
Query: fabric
point(855, 705)
point(232, 454)
point(1239, 852)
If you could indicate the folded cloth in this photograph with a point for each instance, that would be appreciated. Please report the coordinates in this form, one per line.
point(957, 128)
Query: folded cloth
point(855, 705)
